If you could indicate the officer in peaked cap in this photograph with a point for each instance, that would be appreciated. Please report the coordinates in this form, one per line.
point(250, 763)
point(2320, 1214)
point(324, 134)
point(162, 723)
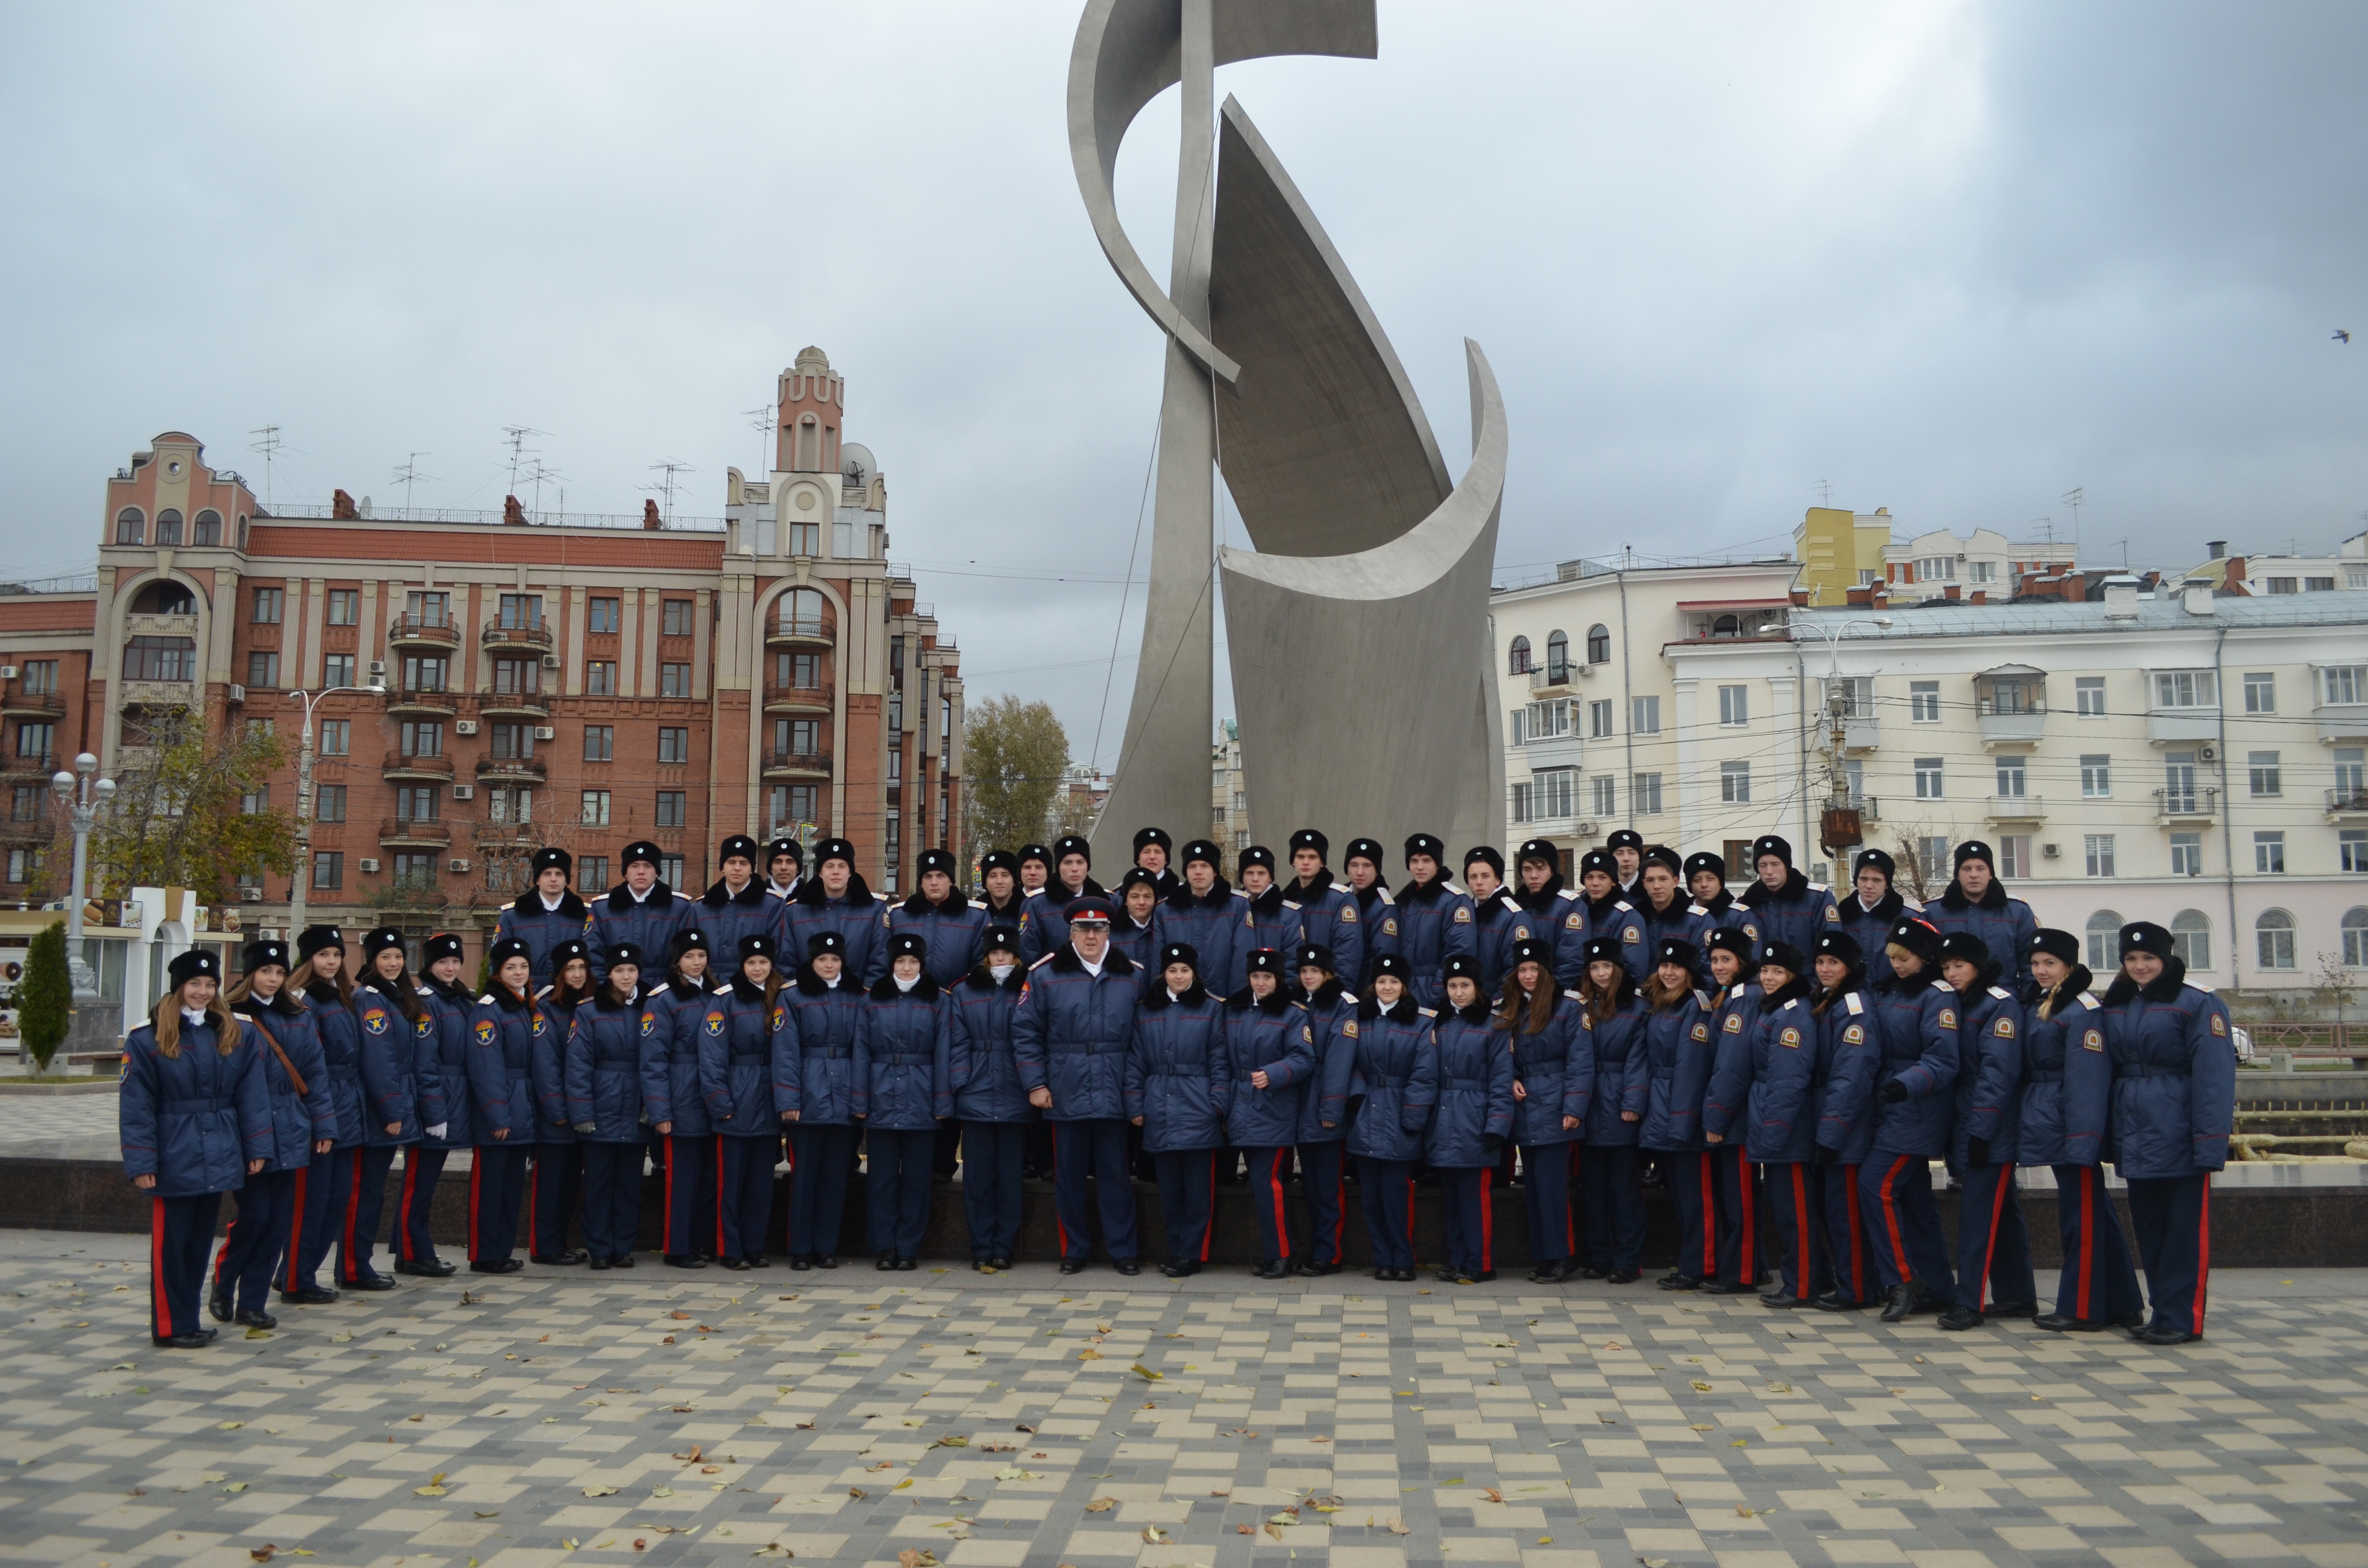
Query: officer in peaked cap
point(1069, 1039)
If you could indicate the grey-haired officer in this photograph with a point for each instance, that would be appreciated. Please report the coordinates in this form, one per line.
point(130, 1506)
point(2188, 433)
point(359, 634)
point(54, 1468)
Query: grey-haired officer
point(1433, 921)
point(641, 910)
point(1328, 912)
point(836, 898)
point(951, 927)
point(1070, 1040)
point(1376, 911)
point(550, 915)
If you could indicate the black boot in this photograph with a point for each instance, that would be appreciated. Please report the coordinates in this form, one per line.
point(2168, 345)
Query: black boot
point(1902, 1300)
point(217, 1300)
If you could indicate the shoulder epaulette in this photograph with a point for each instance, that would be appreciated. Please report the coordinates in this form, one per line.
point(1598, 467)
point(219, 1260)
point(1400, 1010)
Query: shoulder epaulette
point(1287, 904)
point(1573, 996)
point(511, 904)
point(486, 1000)
point(1033, 893)
point(1348, 995)
point(1567, 894)
point(1818, 887)
point(721, 989)
point(1853, 1003)
point(1427, 1012)
point(1696, 909)
point(978, 904)
point(1789, 1003)
point(1622, 905)
point(1385, 895)
point(2001, 993)
point(1040, 963)
point(1943, 985)
point(1907, 903)
point(2193, 986)
point(423, 991)
point(880, 898)
point(2089, 999)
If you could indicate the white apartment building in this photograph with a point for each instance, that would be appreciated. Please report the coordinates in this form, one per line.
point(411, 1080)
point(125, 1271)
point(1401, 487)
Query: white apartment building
point(2278, 575)
point(1984, 562)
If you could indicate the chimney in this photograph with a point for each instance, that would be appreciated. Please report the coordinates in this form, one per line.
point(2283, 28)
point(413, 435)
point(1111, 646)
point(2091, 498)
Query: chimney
point(513, 515)
point(2218, 547)
point(650, 518)
point(2121, 598)
point(342, 509)
point(1951, 592)
point(1800, 595)
point(1863, 595)
point(2198, 599)
point(2233, 580)
point(1978, 596)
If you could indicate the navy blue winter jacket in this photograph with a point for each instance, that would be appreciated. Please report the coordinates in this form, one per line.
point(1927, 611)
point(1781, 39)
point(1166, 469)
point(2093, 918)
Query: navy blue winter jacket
point(859, 916)
point(649, 923)
point(1396, 1087)
point(298, 1120)
point(980, 1067)
point(1989, 1074)
point(604, 1067)
point(2005, 925)
point(1623, 1076)
point(1270, 1036)
point(724, 917)
point(552, 1122)
point(541, 929)
point(1070, 1035)
point(2068, 1077)
point(340, 1034)
point(443, 1058)
point(903, 1081)
point(1799, 913)
point(953, 934)
point(1216, 925)
point(1474, 1117)
point(671, 1091)
point(1680, 1044)
point(1178, 1078)
point(1916, 1018)
point(1329, 917)
point(393, 1091)
point(501, 1068)
point(736, 1037)
point(2174, 1075)
point(1556, 1068)
point(1332, 1024)
point(814, 1059)
point(1850, 1059)
point(1434, 924)
point(195, 1118)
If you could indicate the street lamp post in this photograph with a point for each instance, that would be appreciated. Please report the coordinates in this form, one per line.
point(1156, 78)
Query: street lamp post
point(1835, 708)
point(84, 801)
point(304, 878)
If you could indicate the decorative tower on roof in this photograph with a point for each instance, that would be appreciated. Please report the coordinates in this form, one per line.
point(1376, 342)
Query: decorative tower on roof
point(812, 405)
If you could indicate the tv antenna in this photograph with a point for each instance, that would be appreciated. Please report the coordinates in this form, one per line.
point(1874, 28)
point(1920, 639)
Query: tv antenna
point(537, 473)
point(1824, 490)
point(408, 474)
point(268, 442)
point(2076, 497)
point(666, 487)
point(514, 437)
point(761, 421)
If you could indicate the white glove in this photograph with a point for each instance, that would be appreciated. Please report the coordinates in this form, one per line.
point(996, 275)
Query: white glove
point(438, 1130)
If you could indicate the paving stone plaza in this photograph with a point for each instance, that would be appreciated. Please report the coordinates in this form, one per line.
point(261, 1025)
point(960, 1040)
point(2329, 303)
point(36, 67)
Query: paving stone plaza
point(558, 1416)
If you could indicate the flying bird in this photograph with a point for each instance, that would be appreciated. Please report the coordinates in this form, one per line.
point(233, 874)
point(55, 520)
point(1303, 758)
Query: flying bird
point(2342, 335)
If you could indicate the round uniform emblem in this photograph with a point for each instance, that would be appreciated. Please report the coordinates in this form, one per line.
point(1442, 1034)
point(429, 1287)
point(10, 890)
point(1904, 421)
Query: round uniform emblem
point(1702, 1031)
point(2094, 1040)
point(649, 1023)
point(424, 1026)
point(485, 1031)
point(1631, 935)
point(374, 1021)
point(1348, 1027)
point(715, 1024)
point(1948, 1018)
point(781, 1018)
point(1854, 1035)
point(1575, 923)
point(1790, 1039)
point(539, 1026)
point(2005, 1029)
point(1733, 1024)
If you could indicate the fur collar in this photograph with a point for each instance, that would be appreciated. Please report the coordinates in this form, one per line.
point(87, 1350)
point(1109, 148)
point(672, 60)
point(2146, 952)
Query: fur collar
point(1274, 1004)
point(924, 990)
point(1477, 1014)
point(1368, 897)
point(1956, 900)
point(508, 1000)
point(981, 979)
point(919, 904)
point(1624, 990)
point(1421, 892)
point(571, 906)
point(1114, 961)
point(1308, 892)
point(2035, 994)
point(452, 991)
point(812, 985)
point(1982, 982)
point(281, 1002)
point(1719, 904)
point(1006, 913)
point(1219, 895)
point(1885, 912)
point(1057, 897)
point(323, 991)
point(1193, 995)
point(1680, 902)
point(1894, 982)
point(1486, 910)
point(753, 896)
point(2165, 987)
point(607, 1003)
point(809, 892)
point(1602, 911)
point(1854, 981)
point(1757, 896)
point(1540, 901)
point(1267, 904)
point(1324, 995)
point(1402, 1011)
point(621, 898)
point(1797, 989)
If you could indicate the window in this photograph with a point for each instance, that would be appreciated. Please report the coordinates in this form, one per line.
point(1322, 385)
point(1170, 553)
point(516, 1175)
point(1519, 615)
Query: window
point(1645, 715)
point(1645, 794)
point(1557, 656)
point(1924, 701)
point(511, 743)
point(798, 737)
point(268, 603)
point(2277, 585)
point(2355, 938)
point(1521, 809)
point(262, 727)
point(674, 680)
point(2261, 769)
point(670, 869)
point(337, 669)
point(426, 672)
point(2345, 684)
point(423, 737)
point(2088, 696)
point(674, 617)
point(2104, 932)
point(24, 803)
point(793, 805)
point(2262, 693)
point(2186, 854)
point(37, 741)
point(518, 677)
point(328, 869)
point(1929, 786)
point(2096, 776)
point(521, 611)
point(592, 871)
point(419, 802)
point(2352, 846)
point(672, 807)
point(673, 743)
point(429, 608)
point(1936, 569)
point(895, 716)
point(2186, 688)
point(801, 671)
point(39, 677)
point(1932, 855)
point(1726, 626)
point(1854, 781)
point(599, 742)
point(511, 804)
point(896, 766)
point(801, 614)
point(1553, 794)
point(600, 677)
point(415, 867)
point(596, 808)
point(1733, 705)
point(2269, 853)
point(2191, 938)
point(328, 802)
point(1599, 644)
point(1981, 572)
point(1517, 661)
point(2352, 778)
point(2012, 776)
point(2273, 939)
point(805, 539)
point(131, 527)
point(1734, 783)
point(160, 658)
point(336, 737)
point(2099, 849)
point(254, 802)
point(168, 527)
point(263, 668)
point(2014, 856)
point(22, 864)
point(2179, 781)
point(601, 615)
point(1549, 720)
point(1599, 719)
point(1606, 797)
point(345, 607)
point(1857, 694)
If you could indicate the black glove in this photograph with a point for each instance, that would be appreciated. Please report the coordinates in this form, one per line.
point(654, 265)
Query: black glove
point(1493, 1142)
point(1894, 1091)
point(1828, 1156)
point(1977, 1152)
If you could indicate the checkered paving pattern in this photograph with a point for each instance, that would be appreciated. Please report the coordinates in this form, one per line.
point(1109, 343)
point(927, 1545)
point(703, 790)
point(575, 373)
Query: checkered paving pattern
point(40, 1119)
point(849, 1416)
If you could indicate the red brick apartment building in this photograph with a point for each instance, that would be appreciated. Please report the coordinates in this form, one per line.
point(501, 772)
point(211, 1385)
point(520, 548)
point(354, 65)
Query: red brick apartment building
point(583, 681)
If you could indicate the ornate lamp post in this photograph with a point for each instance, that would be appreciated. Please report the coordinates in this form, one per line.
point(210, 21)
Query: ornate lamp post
point(84, 801)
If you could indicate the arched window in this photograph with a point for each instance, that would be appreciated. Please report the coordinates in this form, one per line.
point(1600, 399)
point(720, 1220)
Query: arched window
point(1518, 663)
point(131, 527)
point(2104, 935)
point(1599, 644)
point(242, 532)
point(164, 597)
point(208, 529)
point(803, 612)
point(2191, 938)
point(2355, 937)
point(169, 526)
point(2273, 939)
point(160, 658)
point(1557, 656)
point(1726, 626)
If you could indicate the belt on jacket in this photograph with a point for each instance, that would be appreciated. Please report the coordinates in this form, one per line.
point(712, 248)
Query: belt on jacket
point(2150, 1070)
point(1082, 1048)
point(1386, 1083)
point(906, 1058)
point(2044, 1078)
point(1524, 1067)
point(616, 1064)
point(739, 1056)
point(203, 1104)
point(830, 1052)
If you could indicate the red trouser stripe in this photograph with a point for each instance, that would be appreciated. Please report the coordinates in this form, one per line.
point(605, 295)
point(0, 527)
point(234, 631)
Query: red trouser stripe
point(1801, 1223)
point(402, 1216)
point(1282, 1217)
point(476, 1196)
point(1409, 1203)
point(296, 1227)
point(2202, 1252)
point(1209, 1227)
point(1487, 1222)
point(1340, 1202)
point(670, 1162)
point(1709, 1218)
point(533, 1202)
point(1891, 1218)
point(2087, 1239)
point(162, 1302)
point(721, 1250)
point(347, 1268)
point(1857, 1233)
point(1998, 1210)
point(1747, 1198)
point(1060, 1232)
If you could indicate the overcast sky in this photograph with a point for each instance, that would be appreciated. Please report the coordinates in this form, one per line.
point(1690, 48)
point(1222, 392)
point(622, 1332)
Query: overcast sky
point(1951, 260)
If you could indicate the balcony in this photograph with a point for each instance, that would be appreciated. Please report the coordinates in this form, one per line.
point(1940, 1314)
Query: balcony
point(2187, 805)
point(422, 631)
point(160, 625)
point(2347, 804)
point(1545, 678)
point(2003, 724)
point(803, 630)
point(532, 705)
point(779, 698)
point(494, 837)
point(1549, 752)
point(158, 693)
point(419, 702)
point(396, 833)
point(398, 768)
point(2175, 726)
point(38, 767)
point(512, 769)
point(2015, 808)
point(2341, 720)
point(797, 764)
point(1862, 734)
point(35, 705)
point(499, 636)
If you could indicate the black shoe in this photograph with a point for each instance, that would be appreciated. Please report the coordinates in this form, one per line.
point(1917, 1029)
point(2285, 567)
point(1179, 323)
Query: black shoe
point(2013, 1310)
point(757, 1261)
point(984, 1265)
point(1622, 1276)
point(1675, 1282)
point(1782, 1302)
point(801, 1262)
point(1176, 1268)
point(1835, 1301)
point(1728, 1288)
point(567, 1259)
point(622, 1260)
point(1593, 1271)
point(826, 1260)
point(426, 1268)
point(682, 1260)
point(498, 1266)
point(1482, 1277)
point(372, 1281)
point(1308, 1270)
point(1447, 1276)
point(2061, 1322)
point(1902, 1300)
point(906, 1265)
point(194, 1340)
point(2162, 1333)
point(1959, 1318)
point(1073, 1265)
point(1272, 1268)
point(255, 1317)
point(310, 1296)
point(1127, 1266)
point(1001, 1263)
point(740, 1266)
point(218, 1302)
point(2131, 1321)
point(885, 1263)
point(702, 1255)
point(602, 1264)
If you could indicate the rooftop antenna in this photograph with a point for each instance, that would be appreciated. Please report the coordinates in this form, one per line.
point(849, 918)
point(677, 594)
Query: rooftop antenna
point(1825, 492)
point(537, 472)
point(2075, 498)
point(268, 443)
point(515, 435)
point(761, 421)
point(666, 487)
point(408, 474)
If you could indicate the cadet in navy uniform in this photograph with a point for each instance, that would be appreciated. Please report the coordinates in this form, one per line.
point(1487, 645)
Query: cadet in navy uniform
point(1916, 1019)
point(998, 876)
point(1993, 1250)
point(641, 910)
point(443, 1055)
point(1048, 924)
point(196, 1123)
point(1475, 1119)
point(1179, 1086)
point(783, 861)
point(1207, 913)
point(1705, 876)
point(1626, 847)
point(1327, 911)
point(1733, 1178)
point(1376, 917)
point(1975, 901)
point(1034, 865)
point(1611, 1018)
point(1785, 905)
point(326, 988)
point(1848, 1053)
point(1553, 913)
point(1766, 1078)
point(1433, 920)
point(674, 1102)
point(814, 1088)
point(992, 1108)
point(2174, 1103)
point(737, 905)
point(738, 1039)
point(1272, 1052)
point(1610, 918)
point(1876, 904)
point(1324, 1111)
point(1663, 910)
point(2068, 1090)
point(303, 1123)
point(501, 1080)
point(949, 925)
point(604, 1096)
point(1152, 849)
point(1270, 918)
point(1395, 1087)
point(1680, 1044)
point(1133, 933)
point(1498, 922)
point(1070, 1040)
point(395, 1099)
point(902, 1092)
point(547, 916)
point(836, 898)
point(555, 1184)
point(1553, 1084)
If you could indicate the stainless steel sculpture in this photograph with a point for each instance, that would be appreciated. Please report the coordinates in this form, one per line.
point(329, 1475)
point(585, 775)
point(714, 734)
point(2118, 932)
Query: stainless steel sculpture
point(1358, 627)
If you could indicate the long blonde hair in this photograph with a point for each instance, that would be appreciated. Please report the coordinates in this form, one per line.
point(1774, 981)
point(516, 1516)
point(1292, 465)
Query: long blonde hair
point(167, 1021)
point(303, 976)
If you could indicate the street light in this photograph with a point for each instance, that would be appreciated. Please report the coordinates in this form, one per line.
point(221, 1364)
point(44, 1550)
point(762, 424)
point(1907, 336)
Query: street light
point(1835, 736)
point(84, 801)
point(304, 791)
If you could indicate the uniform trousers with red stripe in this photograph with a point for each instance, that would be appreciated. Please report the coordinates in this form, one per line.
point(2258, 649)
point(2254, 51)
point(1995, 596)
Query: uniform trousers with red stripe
point(689, 1195)
point(1268, 1167)
point(1848, 1245)
point(2098, 1284)
point(1386, 1191)
point(1470, 1206)
point(554, 1187)
point(1737, 1182)
point(1993, 1248)
point(821, 1154)
point(256, 1239)
point(744, 1194)
point(1611, 1176)
point(180, 1234)
point(896, 1171)
point(322, 1190)
point(496, 1187)
point(1693, 1188)
point(421, 1168)
point(2173, 1217)
point(1545, 1189)
point(613, 1198)
point(1905, 1221)
point(1797, 1198)
point(365, 1202)
point(1094, 1148)
point(1188, 1197)
point(992, 1153)
point(1323, 1182)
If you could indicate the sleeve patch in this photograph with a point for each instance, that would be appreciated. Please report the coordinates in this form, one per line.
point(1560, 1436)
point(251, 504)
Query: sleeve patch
point(1348, 1027)
point(2092, 1040)
point(1854, 1035)
point(1948, 1018)
point(715, 1026)
point(1306, 1034)
point(1462, 916)
point(1631, 935)
point(1389, 927)
point(1577, 922)
point(1733, 1024)
point(1702, 1031)
point(2220, 1025)
point(649, 1023)
point(2003, 1029)
point(1833, 914)
point(1790, 1039)
point(1347, 915)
